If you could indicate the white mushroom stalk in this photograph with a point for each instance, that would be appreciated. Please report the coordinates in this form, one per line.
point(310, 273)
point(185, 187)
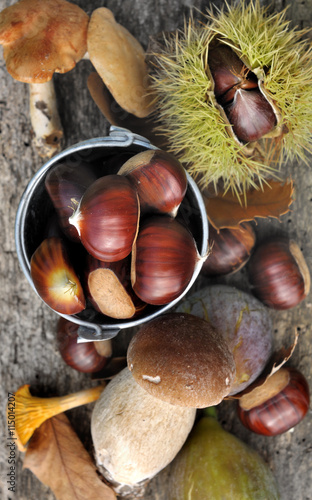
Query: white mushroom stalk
point(135, 435)
point(45, 119)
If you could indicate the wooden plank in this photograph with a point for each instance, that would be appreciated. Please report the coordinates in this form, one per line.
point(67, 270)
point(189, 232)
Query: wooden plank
point(28, 348)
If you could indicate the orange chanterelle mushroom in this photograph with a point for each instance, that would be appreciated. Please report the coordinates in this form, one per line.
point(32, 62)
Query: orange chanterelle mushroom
point(39, 38)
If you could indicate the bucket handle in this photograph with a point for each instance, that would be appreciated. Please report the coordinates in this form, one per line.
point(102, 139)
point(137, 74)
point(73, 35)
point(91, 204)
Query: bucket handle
point(128, 137)
point(95, 333)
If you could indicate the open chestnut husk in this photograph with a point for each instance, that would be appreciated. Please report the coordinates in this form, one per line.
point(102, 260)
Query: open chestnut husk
point(226, 92)
point(55, 278)
point(83, 357)
point(230, 249)
point(278, 273)
point(160, 180)
point(276, 406)
point(65, 184)
point(107, 218)
point(108, 288)
point(164, 257)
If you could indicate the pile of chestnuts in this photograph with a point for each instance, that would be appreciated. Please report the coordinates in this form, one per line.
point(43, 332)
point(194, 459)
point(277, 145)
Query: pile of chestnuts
point(279, 277)
point(276, 268)
point(118, 245)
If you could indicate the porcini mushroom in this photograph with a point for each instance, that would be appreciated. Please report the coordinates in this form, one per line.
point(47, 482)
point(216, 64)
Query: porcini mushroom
point(135, 435)
point(119, 59)
point(30, 411)
point(183, 360)
point(40, 38)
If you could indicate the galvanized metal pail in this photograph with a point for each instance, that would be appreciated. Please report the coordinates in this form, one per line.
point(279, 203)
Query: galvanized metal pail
point(35, 208)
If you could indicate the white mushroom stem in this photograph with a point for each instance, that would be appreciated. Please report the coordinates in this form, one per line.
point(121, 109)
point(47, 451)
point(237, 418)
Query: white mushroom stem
point(135, 435)
point(45, 120)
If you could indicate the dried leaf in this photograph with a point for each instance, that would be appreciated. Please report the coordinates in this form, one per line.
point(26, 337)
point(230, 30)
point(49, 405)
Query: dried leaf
point(228, 210)
point(58, 459)
point(117, 116)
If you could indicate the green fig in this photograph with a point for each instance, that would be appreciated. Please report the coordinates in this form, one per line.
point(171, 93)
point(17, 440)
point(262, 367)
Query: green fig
point(216, 465)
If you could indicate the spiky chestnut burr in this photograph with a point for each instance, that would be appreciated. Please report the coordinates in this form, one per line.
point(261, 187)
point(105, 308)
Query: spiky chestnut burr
point(193, 116)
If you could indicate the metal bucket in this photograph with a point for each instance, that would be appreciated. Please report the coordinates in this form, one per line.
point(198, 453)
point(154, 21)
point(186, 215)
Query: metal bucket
point(35, 208)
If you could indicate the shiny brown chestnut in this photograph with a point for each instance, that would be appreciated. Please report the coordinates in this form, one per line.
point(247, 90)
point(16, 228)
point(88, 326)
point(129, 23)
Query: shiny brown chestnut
point(227, 71)
point(107, 218)
point(160, 180)
point(108, 287)
point(276, 406)
point(163, 260)
point(83, 357)
point(55, 279)
point(230, 249)
point(250, 114)
point(65, 184)
point(278, 273)
point(236, 89)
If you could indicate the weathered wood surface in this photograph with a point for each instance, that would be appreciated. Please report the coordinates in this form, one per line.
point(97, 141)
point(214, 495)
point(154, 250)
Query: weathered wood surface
point(28, 350)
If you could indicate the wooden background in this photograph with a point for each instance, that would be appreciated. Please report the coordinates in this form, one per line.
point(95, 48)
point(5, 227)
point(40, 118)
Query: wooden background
point(28, 350)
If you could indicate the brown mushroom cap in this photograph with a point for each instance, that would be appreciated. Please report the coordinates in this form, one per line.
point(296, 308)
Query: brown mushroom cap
point(181, 359)
point(119, 59)
point(41, 37)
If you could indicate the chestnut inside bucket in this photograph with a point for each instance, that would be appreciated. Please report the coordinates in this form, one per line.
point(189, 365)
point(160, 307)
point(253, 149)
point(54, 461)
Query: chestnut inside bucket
point(107, 154)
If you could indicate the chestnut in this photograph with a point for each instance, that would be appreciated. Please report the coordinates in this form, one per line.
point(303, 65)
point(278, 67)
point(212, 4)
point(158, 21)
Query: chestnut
point(276, 406)
point(107, 218)
point(227, 70)
point(230, 249)
point(236, 89)
point(160, 180)
point(164, 258)
point(108, 287)
point(55, 279)
point(83, 357)
point(278, 273)
point(250, 114)
point(65, 185)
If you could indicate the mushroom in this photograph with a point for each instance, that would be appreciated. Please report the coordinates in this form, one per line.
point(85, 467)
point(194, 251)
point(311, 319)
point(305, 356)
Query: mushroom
point(118, 117)
point(40, 38)
point(30, 411)
point(183, 360)
point(135, 435)
point(119, 59)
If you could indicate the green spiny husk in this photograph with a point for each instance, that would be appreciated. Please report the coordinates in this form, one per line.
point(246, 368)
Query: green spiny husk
point(186, 105)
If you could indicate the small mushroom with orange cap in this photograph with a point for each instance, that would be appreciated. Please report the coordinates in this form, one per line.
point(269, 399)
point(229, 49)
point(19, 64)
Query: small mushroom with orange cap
point(119, 60)
point(40, 38)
